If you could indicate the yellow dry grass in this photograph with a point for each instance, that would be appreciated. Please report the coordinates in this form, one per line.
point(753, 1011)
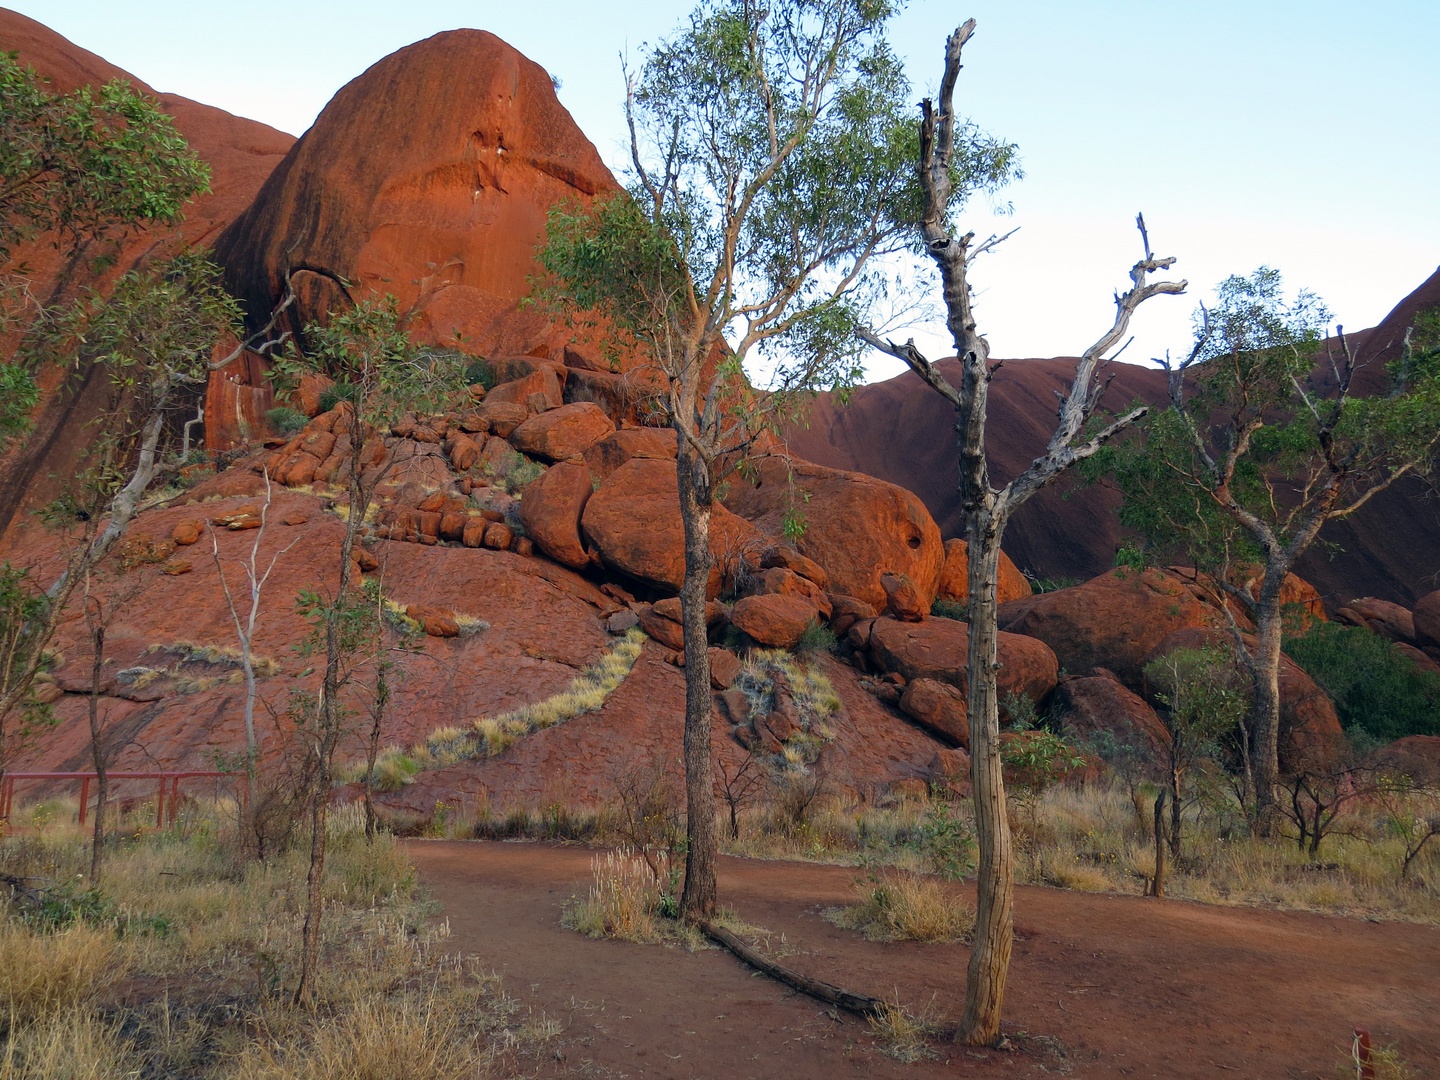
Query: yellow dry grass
point(44, 976)
point(901, 906)
point(622, 901)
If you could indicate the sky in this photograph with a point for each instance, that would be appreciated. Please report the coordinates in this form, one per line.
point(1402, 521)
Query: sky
point(1299, 134)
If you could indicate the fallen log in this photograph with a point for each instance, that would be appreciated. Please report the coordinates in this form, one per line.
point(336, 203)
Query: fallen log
point(823, 991)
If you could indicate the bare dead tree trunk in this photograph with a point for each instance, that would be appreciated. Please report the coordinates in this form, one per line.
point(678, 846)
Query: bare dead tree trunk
point(1157, 883)
point(697, 901)
point(1265, 708)
point(995, 877)
point(987, 511)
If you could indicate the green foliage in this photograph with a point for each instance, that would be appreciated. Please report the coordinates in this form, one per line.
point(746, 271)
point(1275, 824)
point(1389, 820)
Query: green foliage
point(1203, 695)
point(286, 420)
point(1036, 759)
point(815, 638)
point(944, 841)
point(479, 372)
point(367, 352)
point(18, 397)
point(1374, 687)
point(1055, 584)
point(87, 164)
point(950, 609)
point(24, 615)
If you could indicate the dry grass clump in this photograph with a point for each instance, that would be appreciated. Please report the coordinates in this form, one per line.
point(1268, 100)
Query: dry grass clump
point(44, 976)
point(900, 906)
point(623, 900)
point(903, 1035)
point(69, 1046)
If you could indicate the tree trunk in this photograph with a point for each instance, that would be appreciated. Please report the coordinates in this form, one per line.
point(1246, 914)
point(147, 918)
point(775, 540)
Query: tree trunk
point(698, 900)
point(995, 881)
point(1175, 814)
point(1265, 709)
point(97, 755)
point(1157, 884)
point(382, 696)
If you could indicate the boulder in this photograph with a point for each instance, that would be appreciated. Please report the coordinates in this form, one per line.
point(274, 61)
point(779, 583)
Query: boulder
point(856, 527)
point(610, 452)
point(724, 668)
point(542, 381)
point(1310, 730)
point(501, 417)
point(498, 536)
point(1427, 620)
point(1088, 705)
point(1390, 621)
point(716, 614)
point(786, 557)
point(782, 582)
point(562, 433)
point(1424, 661)
point(774, 619)
point(435, 621)
point(846, 611)
point(633, 520)
point(902, 599)
point(951, 768)
point(621, 621)
point(955, 584)
point(938, 707)
point(464, 451)
point(187, 532)
point(631, 399)
point(665, 630)
point(736, 705)
point(1114, 621)
point(551, 508)
point(474, 534)
point(937, 649)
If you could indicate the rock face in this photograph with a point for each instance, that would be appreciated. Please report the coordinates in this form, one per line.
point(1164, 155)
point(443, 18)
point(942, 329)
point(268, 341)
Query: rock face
point(615, 449)
point(241, 154)
point(856, 527)
point(954, 584)
point(1113, 621)
point(428, 176)
point(936, 649)
point(1415, 756)
point(634, 522)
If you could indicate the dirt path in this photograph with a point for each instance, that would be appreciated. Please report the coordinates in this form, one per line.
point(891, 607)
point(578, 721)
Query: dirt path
point(1129, 987)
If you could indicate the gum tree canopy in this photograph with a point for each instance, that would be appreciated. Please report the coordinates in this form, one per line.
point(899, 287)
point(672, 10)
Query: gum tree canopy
point(771, 163)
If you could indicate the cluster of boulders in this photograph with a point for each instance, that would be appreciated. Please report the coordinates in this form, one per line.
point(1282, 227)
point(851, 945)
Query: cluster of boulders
point(1414, 634)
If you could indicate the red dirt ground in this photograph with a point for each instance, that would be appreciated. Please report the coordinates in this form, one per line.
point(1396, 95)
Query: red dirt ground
point(1122, 985)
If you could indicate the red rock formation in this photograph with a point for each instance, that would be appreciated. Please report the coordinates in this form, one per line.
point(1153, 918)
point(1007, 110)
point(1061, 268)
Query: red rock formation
point(938, 707)
point(1390, 621)
point(550, 510)
point(241, 154)
point(774, 619)
point(1113, 621)
point(562, 433)
point(1089, 704)
point(954, 578)
point(429, 177)
point(634, 522)
point(937, 649)
point(615, 449)
point(1427, 620)
point(856, 527)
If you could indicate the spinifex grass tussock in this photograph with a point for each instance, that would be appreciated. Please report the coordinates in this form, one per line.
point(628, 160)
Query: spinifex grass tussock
point(902, 1034)
point(901, 906)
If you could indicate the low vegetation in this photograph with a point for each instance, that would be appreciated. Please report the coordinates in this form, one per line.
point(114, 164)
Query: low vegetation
point(899, 905)
point(182, 965)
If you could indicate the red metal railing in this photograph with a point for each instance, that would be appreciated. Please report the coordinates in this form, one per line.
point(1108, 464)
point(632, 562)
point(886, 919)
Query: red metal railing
point(168, 780)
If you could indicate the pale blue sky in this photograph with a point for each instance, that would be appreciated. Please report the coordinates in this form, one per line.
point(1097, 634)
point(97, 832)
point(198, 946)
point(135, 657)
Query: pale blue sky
point(1298, 134)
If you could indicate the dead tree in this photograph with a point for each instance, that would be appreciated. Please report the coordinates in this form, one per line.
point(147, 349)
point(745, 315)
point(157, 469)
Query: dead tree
point(987, 510)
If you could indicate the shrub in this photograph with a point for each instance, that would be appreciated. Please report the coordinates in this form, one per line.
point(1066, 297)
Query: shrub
point(622, 901)
point(285, 420)
point(480, 372)
point(1373, 686)
point(948, 609)
point(335, 394)
point(898, 906)
point(815, 638)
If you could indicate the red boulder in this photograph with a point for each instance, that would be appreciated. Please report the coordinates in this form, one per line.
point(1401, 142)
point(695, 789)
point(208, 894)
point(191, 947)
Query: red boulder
point(550, 510)
point(562, 433)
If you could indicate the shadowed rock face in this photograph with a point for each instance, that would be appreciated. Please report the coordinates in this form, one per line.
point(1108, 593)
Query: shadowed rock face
point(241, 154)
point(902, 431)
point(428, 177)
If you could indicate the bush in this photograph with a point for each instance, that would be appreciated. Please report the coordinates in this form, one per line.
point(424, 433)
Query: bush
point(479, 371)
point(815, 638)
point(949, 609)
point(285, 420)
point(899, 906)
point(1373, 686)
point(334, 395)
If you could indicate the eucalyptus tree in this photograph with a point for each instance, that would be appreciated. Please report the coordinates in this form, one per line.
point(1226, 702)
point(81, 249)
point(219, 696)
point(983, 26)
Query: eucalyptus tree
point(987, 509)
point(1263, 443)
point(768, 176)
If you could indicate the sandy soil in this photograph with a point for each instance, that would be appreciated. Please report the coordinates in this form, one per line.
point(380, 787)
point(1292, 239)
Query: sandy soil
point(1103, 985)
